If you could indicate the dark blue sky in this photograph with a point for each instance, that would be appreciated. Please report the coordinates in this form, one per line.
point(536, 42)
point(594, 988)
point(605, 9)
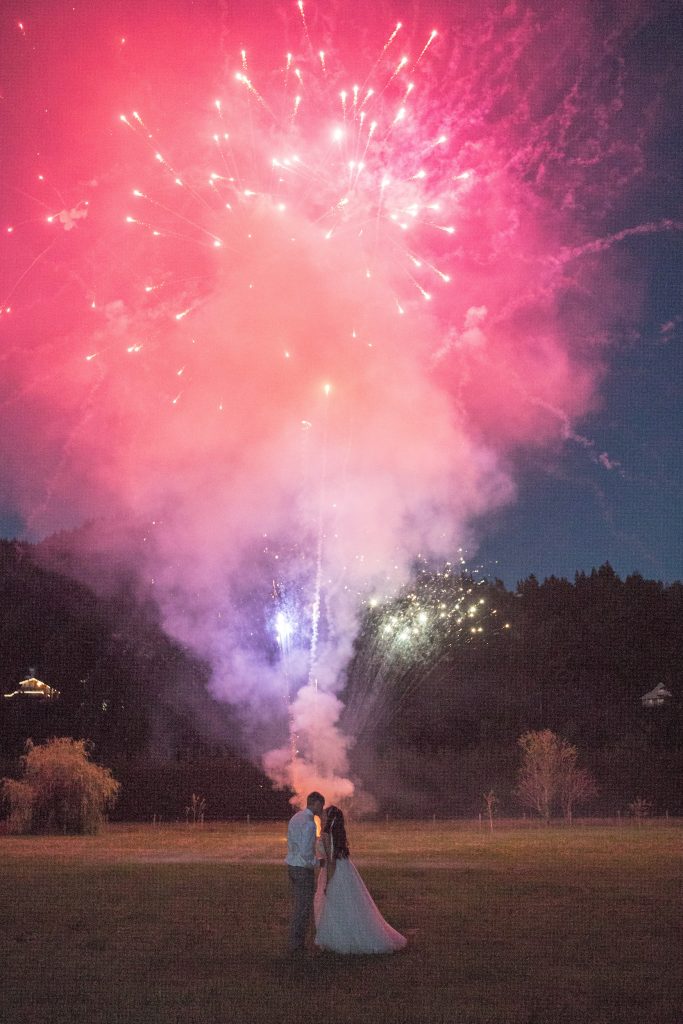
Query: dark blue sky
point(572, 513)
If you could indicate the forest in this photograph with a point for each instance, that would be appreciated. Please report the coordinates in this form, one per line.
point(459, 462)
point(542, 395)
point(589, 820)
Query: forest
point(443, 681)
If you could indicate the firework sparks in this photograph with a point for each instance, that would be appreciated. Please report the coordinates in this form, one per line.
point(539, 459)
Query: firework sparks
point(408, 638)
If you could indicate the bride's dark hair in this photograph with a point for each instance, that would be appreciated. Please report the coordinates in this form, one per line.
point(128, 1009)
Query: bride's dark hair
point(335, 827)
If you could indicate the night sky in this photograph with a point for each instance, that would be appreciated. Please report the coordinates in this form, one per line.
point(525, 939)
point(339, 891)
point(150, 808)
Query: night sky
point(542, 435)
point(293, 295)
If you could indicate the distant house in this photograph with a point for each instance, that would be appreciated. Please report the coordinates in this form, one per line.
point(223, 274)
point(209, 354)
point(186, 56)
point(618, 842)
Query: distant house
point(33, 689)
point(655, 698)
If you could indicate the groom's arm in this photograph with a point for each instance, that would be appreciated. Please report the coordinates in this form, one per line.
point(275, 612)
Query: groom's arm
point(308, 842)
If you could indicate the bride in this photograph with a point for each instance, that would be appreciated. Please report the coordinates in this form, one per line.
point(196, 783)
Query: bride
point(346, 918)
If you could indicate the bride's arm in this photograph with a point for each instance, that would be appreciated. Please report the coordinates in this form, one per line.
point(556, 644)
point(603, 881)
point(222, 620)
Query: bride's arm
point(329, 859)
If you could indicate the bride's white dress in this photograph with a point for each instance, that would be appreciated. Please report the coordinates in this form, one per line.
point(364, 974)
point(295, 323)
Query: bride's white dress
point(346, 917)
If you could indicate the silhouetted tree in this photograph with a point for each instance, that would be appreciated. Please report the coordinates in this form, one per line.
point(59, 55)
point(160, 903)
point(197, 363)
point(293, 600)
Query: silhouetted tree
point(490, 799)
point(577, 786)
point(60, 790)
point(549, 774)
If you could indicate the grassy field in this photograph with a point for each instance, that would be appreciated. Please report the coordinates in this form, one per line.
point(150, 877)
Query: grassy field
point(188, 924)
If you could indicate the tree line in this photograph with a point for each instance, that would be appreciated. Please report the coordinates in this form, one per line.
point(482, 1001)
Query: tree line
point(576, 658)
point(443, 718)
point(138, 698)
point(60, 789)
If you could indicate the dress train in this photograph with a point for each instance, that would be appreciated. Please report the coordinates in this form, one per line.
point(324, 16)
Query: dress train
point(346, 917)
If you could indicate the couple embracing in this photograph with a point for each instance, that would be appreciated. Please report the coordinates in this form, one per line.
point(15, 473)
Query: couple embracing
point(346, 918)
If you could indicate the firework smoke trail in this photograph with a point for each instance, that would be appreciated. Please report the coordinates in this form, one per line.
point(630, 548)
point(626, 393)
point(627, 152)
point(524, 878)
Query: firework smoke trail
point(320, 535)
point(284, 631)
point(441, 241)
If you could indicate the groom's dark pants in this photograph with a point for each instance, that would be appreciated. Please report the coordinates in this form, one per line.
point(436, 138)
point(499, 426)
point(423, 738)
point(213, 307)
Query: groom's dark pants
point(303, 887)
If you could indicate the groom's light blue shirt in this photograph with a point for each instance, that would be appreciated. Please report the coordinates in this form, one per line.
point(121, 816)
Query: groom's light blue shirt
point(301, 836)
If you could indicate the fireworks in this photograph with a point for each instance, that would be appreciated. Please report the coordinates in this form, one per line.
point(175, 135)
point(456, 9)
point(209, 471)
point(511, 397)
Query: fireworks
point(397, 194)
point(408, 638)
point(353, 167)
point(284, 629)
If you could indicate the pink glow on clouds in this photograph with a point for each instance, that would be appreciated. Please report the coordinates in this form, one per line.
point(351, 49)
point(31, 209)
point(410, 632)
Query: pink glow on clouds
point(214, 425)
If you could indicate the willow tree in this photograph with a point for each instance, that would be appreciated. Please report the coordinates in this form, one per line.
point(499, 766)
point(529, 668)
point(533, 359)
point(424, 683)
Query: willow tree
point(60, 789)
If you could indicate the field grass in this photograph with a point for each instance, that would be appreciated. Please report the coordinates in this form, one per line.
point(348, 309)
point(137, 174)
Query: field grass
point(188, 924)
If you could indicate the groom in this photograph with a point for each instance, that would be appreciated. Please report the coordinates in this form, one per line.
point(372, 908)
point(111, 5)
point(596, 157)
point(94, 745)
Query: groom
point(301, 862)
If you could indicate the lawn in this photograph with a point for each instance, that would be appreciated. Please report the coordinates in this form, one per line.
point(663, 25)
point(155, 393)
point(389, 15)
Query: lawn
point(188, 924)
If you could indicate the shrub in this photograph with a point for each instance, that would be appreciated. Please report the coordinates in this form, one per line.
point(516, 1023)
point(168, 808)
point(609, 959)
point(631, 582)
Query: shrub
point(61, 790)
